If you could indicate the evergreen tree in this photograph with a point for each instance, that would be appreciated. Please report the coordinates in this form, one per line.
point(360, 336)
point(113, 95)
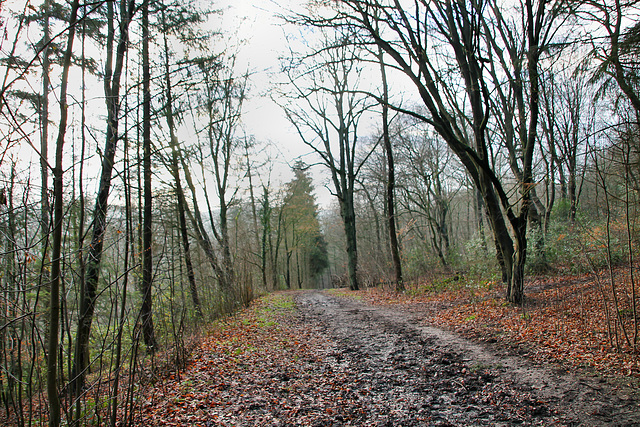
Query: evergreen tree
point(302, 229)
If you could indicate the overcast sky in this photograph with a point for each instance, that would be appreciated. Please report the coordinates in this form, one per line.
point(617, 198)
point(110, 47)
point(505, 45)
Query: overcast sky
point(264, 36)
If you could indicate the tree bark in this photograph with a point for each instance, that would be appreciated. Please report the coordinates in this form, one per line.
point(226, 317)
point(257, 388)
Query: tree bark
point(391, 178)
point(94, 255)
point(58, 189)
point(461, 25)
point(266, 248)
point(349, 217)
point(44, 124)
point(175, 171)
point(146, 310)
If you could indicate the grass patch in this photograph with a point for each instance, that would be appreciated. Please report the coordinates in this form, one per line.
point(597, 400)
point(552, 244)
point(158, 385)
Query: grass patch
point(344, 292)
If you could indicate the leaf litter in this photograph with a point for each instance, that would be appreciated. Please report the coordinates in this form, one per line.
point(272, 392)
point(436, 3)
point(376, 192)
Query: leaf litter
point(323, 359)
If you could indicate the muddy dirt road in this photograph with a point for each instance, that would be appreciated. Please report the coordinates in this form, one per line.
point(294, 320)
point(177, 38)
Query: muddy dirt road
point(401, 372)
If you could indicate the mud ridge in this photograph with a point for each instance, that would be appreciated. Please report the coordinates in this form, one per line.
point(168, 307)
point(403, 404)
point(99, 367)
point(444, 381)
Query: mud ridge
point(411, 374)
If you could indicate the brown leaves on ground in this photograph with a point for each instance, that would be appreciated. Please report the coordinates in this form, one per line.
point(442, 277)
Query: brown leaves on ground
point(265, 366)
point(257, 367)
point(571, 319)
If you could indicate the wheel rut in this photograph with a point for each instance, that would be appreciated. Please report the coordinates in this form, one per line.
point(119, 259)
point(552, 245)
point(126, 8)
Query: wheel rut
point(407, 373)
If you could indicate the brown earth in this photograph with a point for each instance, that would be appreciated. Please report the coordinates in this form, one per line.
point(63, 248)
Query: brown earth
point(331, 360)
point(426, 373)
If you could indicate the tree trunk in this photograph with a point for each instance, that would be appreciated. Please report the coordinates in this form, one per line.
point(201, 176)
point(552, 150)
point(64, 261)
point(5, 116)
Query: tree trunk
point(182, 219)
point(515, 288)
point(504, 244)
point(288, 261)
point(275, 253)
point(196, 221)
point(94, 255)
point(254, 210)
point(146, 311)
point(58, 189)
point(195, 299)
point(298, 271)
point(391, 178)
point(624, 81)
point(265, 244)
point(175, 171)
point(44, 124)
point(227, 261)
point(121, 315)
point(479, 206)
point(349, 218)
point(572, 187)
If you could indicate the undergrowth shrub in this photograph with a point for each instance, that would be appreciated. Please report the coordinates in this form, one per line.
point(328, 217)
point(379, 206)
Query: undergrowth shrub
point(418, 262)
point(479, 258)
point(576, 248)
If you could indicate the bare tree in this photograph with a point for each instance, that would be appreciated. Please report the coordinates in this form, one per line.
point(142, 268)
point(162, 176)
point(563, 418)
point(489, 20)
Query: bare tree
point(575, 122)
point(174, 167)
point(427, 186)
point(324, 106)
point(442, 47)
point(617, 52)
point(146, 311)
point(222, 100)
point(112, 79)
point(391, 176)
point(44, 119)
point(54, 309)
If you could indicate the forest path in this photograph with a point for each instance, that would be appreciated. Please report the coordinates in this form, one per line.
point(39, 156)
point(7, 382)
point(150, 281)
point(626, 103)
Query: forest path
point(313, 358)
point(420, 375)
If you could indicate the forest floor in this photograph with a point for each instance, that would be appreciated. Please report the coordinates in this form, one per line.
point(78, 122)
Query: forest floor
point(338, 358)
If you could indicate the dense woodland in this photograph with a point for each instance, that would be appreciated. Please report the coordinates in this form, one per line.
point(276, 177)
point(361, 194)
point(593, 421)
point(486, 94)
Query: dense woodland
point(486, 139)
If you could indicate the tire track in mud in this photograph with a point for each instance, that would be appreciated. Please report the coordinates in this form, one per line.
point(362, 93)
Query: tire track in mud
point(407, 374)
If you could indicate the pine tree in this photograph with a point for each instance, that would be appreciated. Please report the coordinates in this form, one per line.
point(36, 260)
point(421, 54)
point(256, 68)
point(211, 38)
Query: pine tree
point(302, 228)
